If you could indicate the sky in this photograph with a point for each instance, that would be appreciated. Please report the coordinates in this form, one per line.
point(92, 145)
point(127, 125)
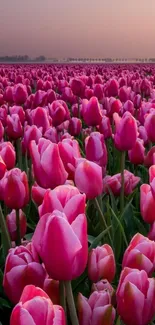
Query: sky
point(78, 28)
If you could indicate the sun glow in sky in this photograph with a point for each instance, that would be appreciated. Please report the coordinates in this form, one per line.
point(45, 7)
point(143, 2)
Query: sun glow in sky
point(78, 28)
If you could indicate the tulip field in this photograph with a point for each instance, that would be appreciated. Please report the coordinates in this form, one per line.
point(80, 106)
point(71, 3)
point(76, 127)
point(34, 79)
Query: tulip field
point(77, 194)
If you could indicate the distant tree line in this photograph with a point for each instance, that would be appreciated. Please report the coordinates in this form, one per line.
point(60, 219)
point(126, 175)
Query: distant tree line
point(21, 58)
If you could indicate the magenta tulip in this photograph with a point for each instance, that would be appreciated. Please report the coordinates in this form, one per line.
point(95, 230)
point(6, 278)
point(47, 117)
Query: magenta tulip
point(126, 131)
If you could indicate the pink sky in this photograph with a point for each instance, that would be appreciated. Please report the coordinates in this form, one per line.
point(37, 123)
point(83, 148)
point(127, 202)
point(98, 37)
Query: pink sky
point(78, 28)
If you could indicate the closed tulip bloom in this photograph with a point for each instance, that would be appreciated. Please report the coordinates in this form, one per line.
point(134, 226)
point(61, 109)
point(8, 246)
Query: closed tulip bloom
point(95, 148)
point(103, 285)
point(48, 167)
point(69, 152)
point(40, 118)
point(1, 131)
point(8, 154)
point(30, 133)
point(16, 189)
point(112, 105)
point(114, 183)
point(51, 96)
point(98, 91)
point(3, 115)
point(59, 112)
point(65, 198)
point(113, 87)
point(52, 135)
point(151, 234)
point(101, 264)
point(88, 178)
point(96, 310)
point(40, 98)
point(51, 287)
point(75, 126)
point(137, 101)
point(77, 86)
point(124, 93)
point(150, 126)
point(14, 127)
point(35, 307)
point(19, 111)
point(143, 134)
point(11, 224)
point(105, 127)
point(135, 297)
point(20, 94)
point(150, 157)
point(128, 107)
point(140, 254)
point(137, 153)
point(21, 269)
point(38, 193)
point(126, 131)
point(8, 94)
point(66, 243)
point(91, 112)
point(147, 203)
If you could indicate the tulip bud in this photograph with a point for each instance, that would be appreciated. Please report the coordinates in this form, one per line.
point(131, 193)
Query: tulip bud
point(14, 127)
point(126, 131)
point(101, 264)
point(91, 112)
point(51, 287)
point(16, 190)
point(19, 94)
point(75, 126)
point(137, 153)
point(95, 148)
point(88, 178)
point(12, 227)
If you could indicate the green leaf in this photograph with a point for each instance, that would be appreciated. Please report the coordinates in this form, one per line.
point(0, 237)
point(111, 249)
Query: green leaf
point(120, 226)
point(98, 238)
point(28, 236)
point(4, 303)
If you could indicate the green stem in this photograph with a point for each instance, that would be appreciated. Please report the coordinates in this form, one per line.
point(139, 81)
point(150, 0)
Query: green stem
point(18, 241)
point(62, 295)
point(5, 234)
point(19, 154)
point(103, 219)
point(122, 181)
point(71, 304)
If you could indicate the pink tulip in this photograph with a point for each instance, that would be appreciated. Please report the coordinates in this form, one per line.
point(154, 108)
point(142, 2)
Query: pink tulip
point(12, 227)
point(48, 167)
point(52, 135)
point(135, 297)
point(151, 234)
point(16, 190)
point(65, 198)
point(8, 94)
point(77, 87)
point(51, 287)
point(19, 111)
point(3, 115)
point(8, 154)
point(19, 94)
point(105, 127)
point(150, 126)
point(101, 264)
point(38, 194)
point(91, 112)
point(114, 183)
point(88, 178)
point(1, 131)
point(67, 244)
point(21, 269)
point(30, 133)
point(113, 88)
point(140, 254)
point(40, 98)
point(112, 105)
point(104, 285)
point(147, 203)
point(40, 118)
point(98, 91)
point(137, 153)
point(96, 310)
point(35, 307)
point(95, 148)
point(143, 134)
point(129, 107)
point(126, 131)
point(137, 101)
point(2, 168)
point(14, 127)
point(124, 94)
point(69, 152)
point(152, 179)
point(59, 112)
point(75, 126)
